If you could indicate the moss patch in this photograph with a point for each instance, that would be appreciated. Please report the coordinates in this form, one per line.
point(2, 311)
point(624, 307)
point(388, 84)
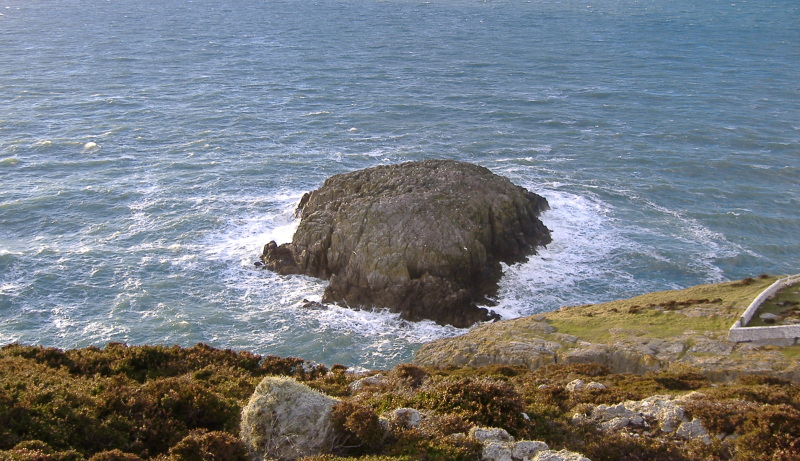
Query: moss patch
point(663, 314)
point(649, 323)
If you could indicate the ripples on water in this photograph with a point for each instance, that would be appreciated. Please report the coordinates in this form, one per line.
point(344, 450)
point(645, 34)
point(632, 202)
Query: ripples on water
point(147, 152)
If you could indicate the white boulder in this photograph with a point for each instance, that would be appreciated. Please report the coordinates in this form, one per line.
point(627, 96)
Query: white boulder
point(286, 420)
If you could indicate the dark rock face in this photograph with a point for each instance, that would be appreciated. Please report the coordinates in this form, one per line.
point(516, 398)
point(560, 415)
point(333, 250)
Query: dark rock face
point(424, 239)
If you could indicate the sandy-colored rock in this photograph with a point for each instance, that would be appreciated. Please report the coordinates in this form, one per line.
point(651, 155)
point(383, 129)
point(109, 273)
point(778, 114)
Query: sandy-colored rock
point(483, 434)
point(562, 455)
point(652, 345)
point(286, 420)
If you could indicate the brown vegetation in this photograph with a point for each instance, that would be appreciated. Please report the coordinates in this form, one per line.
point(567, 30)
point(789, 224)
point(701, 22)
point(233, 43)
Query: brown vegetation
point(160, 403)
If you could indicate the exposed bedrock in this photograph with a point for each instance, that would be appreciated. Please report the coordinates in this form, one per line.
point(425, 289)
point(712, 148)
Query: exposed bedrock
point(424, 239)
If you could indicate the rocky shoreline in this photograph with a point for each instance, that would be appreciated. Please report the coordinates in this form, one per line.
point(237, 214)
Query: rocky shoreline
point(649, 333)
point(661, 384)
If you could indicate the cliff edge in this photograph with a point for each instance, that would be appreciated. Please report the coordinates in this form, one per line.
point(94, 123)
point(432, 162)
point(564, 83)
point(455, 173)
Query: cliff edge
point(659, 331)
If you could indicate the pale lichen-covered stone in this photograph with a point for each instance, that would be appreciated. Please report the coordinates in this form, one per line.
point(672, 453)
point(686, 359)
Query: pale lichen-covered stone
point(693, 429)
point(615, 424)
point(482, 434)
point(663, 411)
point(596, 386)
point(286, 420)
point(496, 451)
point(407, 417)
point(375, 380)
point(527, 449)
point(562, 455)
point(575, 385)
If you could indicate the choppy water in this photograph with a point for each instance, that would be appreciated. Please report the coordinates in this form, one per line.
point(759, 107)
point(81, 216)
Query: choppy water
point(148, 150)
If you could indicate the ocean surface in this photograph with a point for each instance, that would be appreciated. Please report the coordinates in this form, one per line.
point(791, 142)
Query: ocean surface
point(148, 150)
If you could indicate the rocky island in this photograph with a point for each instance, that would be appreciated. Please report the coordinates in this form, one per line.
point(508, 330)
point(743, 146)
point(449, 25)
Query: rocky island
point(424, 239)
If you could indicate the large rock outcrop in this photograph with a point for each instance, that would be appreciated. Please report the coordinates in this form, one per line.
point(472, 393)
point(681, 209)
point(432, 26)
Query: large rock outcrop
point(424, 239)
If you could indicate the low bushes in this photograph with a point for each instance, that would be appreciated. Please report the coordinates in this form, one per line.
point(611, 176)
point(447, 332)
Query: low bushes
point(127, 403)
point(155, 403)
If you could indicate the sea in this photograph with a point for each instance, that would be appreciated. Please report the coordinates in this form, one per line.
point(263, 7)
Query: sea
point(149, 149)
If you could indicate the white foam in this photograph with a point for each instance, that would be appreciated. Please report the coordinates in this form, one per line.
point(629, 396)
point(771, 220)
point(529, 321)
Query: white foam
point(90, 147)
point(382, 324)
point(583, 240)
point(9, 289)
point(99, 332)
point(244, 236)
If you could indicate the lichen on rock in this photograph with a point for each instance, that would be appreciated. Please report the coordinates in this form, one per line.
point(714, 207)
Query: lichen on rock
point(425, 239)
point(286, 420)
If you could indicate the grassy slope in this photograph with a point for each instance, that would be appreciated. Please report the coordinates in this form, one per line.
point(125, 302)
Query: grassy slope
point(726, 302)
point(697, 316)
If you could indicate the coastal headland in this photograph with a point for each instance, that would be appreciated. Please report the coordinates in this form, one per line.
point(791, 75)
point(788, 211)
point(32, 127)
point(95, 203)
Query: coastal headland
point(650, 377)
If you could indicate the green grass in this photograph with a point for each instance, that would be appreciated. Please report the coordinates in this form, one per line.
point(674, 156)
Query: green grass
point(662, 314)
point(646, 323)
point(791, 352)
point(782, 303)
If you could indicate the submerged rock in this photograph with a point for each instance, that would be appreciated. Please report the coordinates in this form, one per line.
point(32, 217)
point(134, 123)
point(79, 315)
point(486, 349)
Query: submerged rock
point(424, 239)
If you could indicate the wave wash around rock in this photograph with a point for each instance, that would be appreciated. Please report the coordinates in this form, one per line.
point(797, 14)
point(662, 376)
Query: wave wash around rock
point(424, 239)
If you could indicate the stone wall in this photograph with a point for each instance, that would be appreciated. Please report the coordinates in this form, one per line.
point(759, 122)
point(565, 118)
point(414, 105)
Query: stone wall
point(780, 334)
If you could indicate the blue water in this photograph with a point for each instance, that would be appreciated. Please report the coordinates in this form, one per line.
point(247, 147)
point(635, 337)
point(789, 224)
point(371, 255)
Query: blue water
point(148, 150)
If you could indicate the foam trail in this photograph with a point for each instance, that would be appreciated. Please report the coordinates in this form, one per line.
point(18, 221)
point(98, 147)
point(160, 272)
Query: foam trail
point(244, 236)
point(583, 241)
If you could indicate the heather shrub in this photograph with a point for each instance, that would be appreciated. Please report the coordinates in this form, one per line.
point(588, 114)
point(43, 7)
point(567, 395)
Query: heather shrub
point(360, 426)
point(36, 450)
point(609, 446)
point(296, 368)
point(335, 383)
point(755, 380)
point(196, 406)
point(201, 445)
point(419, 444)
point(680, 381)
point(40, 403)
point(409, 375)
point(481, 401)
point(444, 425)
point(720, 417)
point(114, 455)
point(768, 430)
point(329, 457)
point(386, 401)
point(158, 403)
point(494, 371)
point(140, 362)
point(157, 414)
point(138, 400)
